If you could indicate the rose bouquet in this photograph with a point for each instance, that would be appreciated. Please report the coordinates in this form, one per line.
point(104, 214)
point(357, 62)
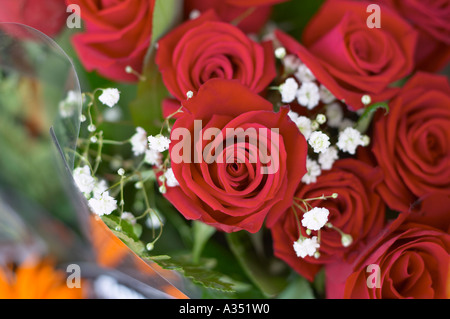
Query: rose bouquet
point(269, 148)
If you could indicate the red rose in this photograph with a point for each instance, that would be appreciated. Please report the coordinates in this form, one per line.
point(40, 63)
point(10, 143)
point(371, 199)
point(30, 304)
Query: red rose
point(413, 261)
point(48, 16)
point(357, 211)
point(351, 59)
point(229, 10)
point(206, 48)
point(233, 192)
point(118, 34)
point(411, 143)
point(432, 19)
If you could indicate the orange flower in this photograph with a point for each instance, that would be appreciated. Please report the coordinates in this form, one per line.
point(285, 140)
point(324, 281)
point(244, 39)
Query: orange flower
point(36, 280)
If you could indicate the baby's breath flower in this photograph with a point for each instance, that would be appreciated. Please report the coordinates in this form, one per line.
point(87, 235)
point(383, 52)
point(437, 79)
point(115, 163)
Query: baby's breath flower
point(306, 247)
point(83, 179)
point(365, 140)
point(152, 157)
point(291, 63)
point(328, 157)
point(171, 181)
point(313, 171)
point(280, 53)
point(319, 141)
point(308, 95)
point(103, 204)
point(349, 140)
point(159, 143)
point(366, 99)
point(109, 97)
point(304, 74)
point(303, 123)
point(92, 128)
point(334, 115)
point(346, 240)
point(68, 105)
point(100, 187)
point(139, 142)
point(154, 220)
point(316, 218)
point(194, 14)
point(288, 90)
point(325, 95)
point(321, 119)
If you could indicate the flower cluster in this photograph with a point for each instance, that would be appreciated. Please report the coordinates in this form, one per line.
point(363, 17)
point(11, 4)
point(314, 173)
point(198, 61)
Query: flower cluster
point(329, 143)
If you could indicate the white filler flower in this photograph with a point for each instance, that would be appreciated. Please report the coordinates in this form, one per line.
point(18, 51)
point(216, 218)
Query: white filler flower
point(313, 171)
point(306, 246)
point(288, 90)
point(159, 143)
point(83, 179)
point(327, 158)
point(103, 204)
point(308, 95)
point(152, 157)
point(319, 142)
point(325, 95)
point(304, 74)
point(171, 181)
point(139, 142)
point(291, 62)
point(109, 97)
point(303, 123)
point(334, 114)
point(349, 140)
point(316, 218)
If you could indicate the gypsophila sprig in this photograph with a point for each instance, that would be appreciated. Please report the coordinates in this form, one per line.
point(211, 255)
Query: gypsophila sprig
point(139, 142)
point(103, 204)
point(313, 171)
point(319, 142)
point(288, 90)
point(349, 140)
point(308, 95)
point(316, 218)
point(306, 246)
point(159, 143)
point(109, 97)
point(83, 179)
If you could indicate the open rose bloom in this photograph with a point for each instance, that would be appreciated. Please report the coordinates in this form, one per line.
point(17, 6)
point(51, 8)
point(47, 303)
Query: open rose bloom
point(267, 149)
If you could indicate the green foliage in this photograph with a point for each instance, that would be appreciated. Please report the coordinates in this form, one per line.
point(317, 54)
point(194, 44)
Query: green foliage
point(201, 273)
point(366, 118)
point(292, 16)
point(298, 288)
point(258, 267)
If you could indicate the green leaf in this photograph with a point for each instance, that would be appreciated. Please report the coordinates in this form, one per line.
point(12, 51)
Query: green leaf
point(293, 16)
point(201, 273)
point(298, 288)
point(158, 258)
point(256, 267)
point(366, 118)
point(166, 13)
point(126, 233)
point(201, 234)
